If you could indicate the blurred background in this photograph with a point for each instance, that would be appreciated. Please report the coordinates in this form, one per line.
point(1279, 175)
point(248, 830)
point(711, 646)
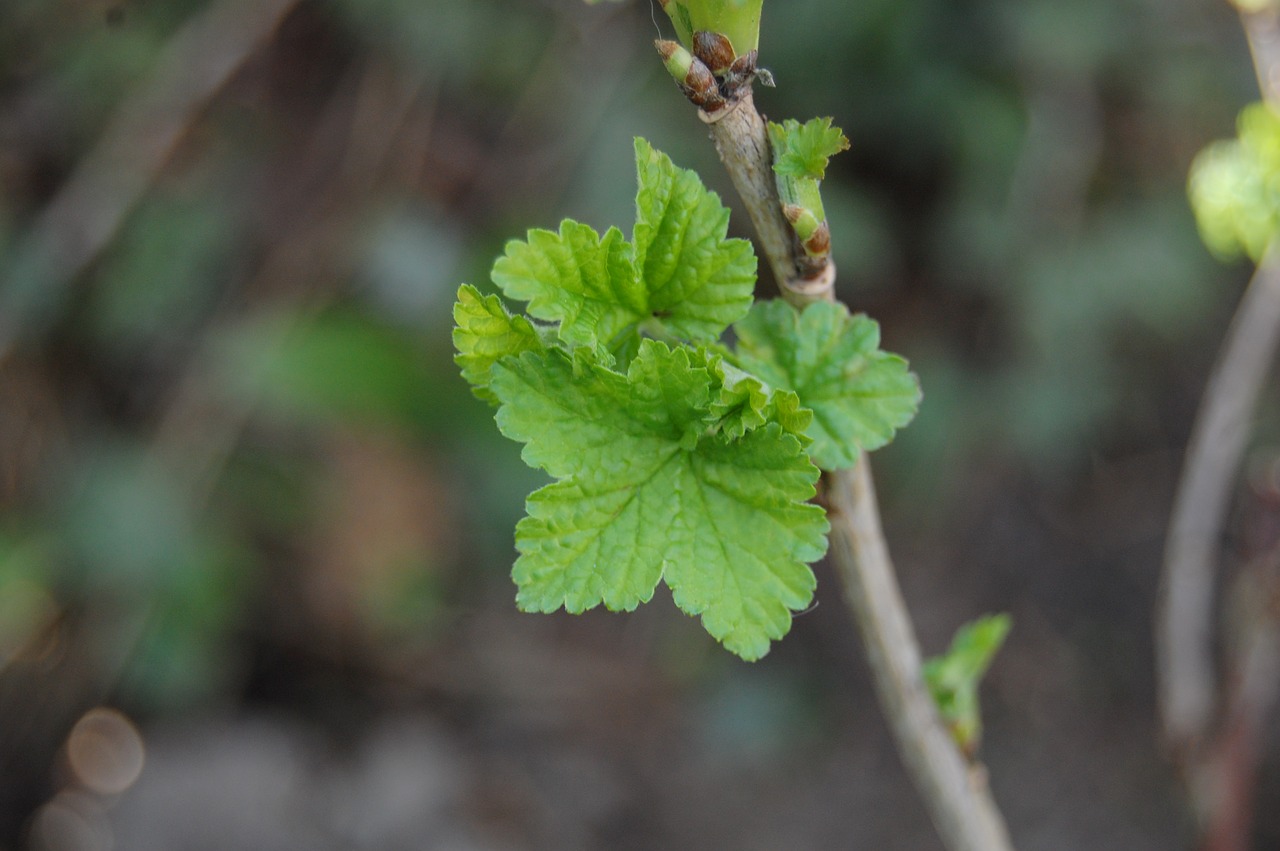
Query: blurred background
point(255, 534)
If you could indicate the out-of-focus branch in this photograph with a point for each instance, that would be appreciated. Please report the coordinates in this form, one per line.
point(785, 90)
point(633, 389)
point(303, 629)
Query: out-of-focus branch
point(1215, 737)
point(88, 210)
point(1184, 616)
point(1263, 31)
point(1185, 610)
point(955, 792)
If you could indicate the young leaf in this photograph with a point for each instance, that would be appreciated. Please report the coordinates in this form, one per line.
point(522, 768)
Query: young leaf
point(859, 395)
point(698, 282)
point(745, 403)
point(953, 677)
point(584, 281)
point(803, 150)
point(1234, 187)
point(485, 332)
point(682, 278)
point(649, 490)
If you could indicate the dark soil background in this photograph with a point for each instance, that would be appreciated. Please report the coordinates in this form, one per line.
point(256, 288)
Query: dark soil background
point(255, 534)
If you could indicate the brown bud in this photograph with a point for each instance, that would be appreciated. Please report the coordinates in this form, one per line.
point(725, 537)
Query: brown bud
point(740, 74)
point(700, 86)
point(714, 49)
point(819, 244)
point(744, 66)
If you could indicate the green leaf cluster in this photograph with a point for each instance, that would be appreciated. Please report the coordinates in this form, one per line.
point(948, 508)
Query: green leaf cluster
point(954, 676)
point(1234, 187)
point(800, 156)
point(803, 150)
point(674, 458)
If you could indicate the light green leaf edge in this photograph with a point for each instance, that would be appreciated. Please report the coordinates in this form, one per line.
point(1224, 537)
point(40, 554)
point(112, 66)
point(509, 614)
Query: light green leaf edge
point(484, 332)
point(860, 396)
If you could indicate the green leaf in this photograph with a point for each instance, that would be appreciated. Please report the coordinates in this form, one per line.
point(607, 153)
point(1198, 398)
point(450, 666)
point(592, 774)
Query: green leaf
point(698, 282)
point(803, 150)
point(682, 278)
point(584, 281)
point(954, 676)
point(745, 402)
point(1234, 187)
point(484, 333)
point(859, 395)
point(650, 489)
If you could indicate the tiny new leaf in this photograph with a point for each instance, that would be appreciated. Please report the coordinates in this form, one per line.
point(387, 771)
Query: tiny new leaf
point(803, 150)
point(954, 676)
point(647, 489)
point(859, 395)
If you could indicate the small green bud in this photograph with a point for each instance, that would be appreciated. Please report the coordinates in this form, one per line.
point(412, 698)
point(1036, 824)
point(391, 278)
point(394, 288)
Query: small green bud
point(802, 219)
point(676, 59)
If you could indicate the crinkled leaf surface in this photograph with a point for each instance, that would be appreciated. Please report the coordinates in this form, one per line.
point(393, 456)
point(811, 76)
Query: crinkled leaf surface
point(575, 277)
point(649, 489)
point(485, 332)
point(803, 150)
point(681, 277)
point(745, 402)
point(859, 395)
point(698, 282)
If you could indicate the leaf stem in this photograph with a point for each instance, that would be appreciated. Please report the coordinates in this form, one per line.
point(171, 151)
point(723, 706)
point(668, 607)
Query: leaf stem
point(955, 791)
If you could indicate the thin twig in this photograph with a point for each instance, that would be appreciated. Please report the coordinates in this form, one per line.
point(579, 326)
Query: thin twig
point(743, 145)
point(1263, 32)
point(1184, 616)
point(1214, 738)
point(88, 210)
point(1184, 612)
point(955, 792)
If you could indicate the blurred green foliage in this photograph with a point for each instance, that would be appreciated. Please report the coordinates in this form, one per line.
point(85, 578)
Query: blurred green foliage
point(1011, 210)
point(954, 676)
point(1235, 187)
